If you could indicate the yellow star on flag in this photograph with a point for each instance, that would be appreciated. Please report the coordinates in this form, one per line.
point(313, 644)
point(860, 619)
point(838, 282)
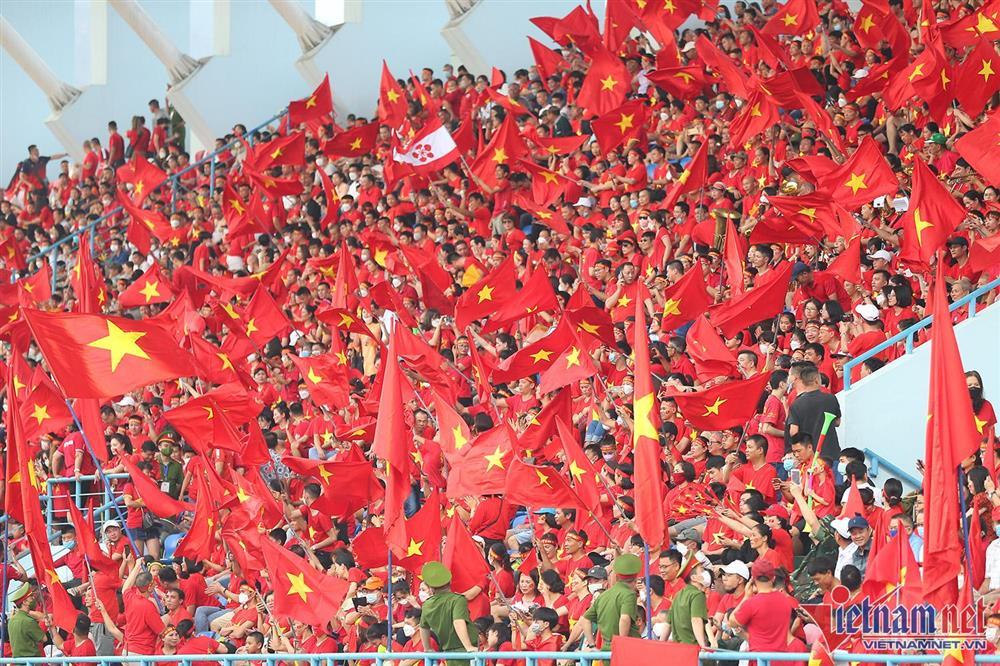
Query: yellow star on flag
point(920, 223)
point(623, 301)
point(41, 413)
point(121, 344)
point(229, 310)
point(541, 355)
point(608, 83)
point(918, 70)
point(670, 307)
point(298, 586)
point(392, 95)
point(324, 474)
point(150, 290)
point(310, 103)
point(714, 407)
point(643, 422)
point(867, 23)
point(790, 19)
point(313, 377)
point(226, 363)
point(414, 548)
point(459, 437)
point(499, 155)
point(356, 144)
point(485, 294)
point(252, 326)
point(543, 479)
point(590, 328)
point(625, 122)
point(345, 319)
point(495, 459)
point(856, 182)
point(241, 495)
point(276, 154)
point(987, 70)
point(575, 470)
point(573, 358)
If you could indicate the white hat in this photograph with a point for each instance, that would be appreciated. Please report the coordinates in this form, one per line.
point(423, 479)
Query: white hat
point(127, 401)
point(585, 201)
point(109, 524)
point(860, 73)
point(737, 568)
point(689, 46)
point(868, 311)
point(840, 526)
point(884, 255)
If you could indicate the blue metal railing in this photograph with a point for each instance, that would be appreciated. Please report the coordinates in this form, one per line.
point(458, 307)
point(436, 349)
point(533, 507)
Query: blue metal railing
point(876, 461)
point(172, 181)
point(478, 658)
point(77, 483)
point(911, 332)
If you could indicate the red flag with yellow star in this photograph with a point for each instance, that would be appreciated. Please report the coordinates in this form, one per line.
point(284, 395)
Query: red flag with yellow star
point(317, 106)
point(894, 569)
point(548, 62)
point(144, 223)
point(931, 218)
point(204, 424)
point(546, 185)
point(765, 300)
point(709, 353)
point(301, 592)
point(691, 179)
point(147, 289)
point(357, 141)
point(263, 320)
point(534, 296)
point(483, 468)
point(239, 221)
point(536, 357)
point(532, 442)
point(94, 356)
point(505, 145)
point(758, 115)
point(685, 299)
point(142, 175)
point(571, 365)
point(347, 486)
point(487, 295)
point(583, 475)
point(623, 125)
point(539, 486)
point(978, 78)
point(723, 406)
point(951, 438)
point(391, 99)
point(21, 481)
point(423, 535)
point(795, 17)
point(43, 409)
point(453, 432)
point(648, 476)
point(863, 177)
point(86, 280)
point(464, 558)
point(606, 84)
point(325, 377)
point(280, 151)
point(682, 82)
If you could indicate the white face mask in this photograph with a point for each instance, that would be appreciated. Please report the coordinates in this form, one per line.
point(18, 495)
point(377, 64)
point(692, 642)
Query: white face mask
point(795, 344)
point(303, 394)
point(244, 597)
point(992, 633)
point(371, 597)
point(397, 282)
point(627, 389)
point(423, 595)
point(536, 627)
point(595, 587)
point(409, 630)
point(706, 579)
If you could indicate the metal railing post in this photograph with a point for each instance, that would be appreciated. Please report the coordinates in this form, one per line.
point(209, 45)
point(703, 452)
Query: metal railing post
point(211, 178)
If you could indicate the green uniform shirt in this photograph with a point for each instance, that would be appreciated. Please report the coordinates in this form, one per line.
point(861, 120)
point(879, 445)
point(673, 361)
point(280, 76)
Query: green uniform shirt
point(25, 635)
point(689, 602)
point(439, 613)
point(610, 605)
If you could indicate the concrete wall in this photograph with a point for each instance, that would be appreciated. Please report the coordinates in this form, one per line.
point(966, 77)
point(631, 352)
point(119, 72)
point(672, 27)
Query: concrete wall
point(886, 411)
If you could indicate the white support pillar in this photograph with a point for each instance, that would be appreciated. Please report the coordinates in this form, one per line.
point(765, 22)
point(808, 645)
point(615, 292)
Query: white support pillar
point(179, 65)
point(90, 23)
point(310, 32)
point(58, 93)
point(210, 28)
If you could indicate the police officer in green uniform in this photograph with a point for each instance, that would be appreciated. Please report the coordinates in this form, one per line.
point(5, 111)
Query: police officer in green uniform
point(23, 629)
point(615, 610)
point(445, 614)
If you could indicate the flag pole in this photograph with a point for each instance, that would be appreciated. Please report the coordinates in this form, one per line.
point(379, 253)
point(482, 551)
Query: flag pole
point(105, 481)
point(388, 599)
point(649, 592)
point(3, 590)
point(828, 418)
point(965, 525)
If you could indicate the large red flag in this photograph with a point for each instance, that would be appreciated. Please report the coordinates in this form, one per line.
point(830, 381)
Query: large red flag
point(606, 84)
point(464, 558)
point(624, 125)
point(980, 147)
point(149, 288)
point(951, 438)
point(93, 356)
point(864, 176)
point(354, 142)
point(536, 487)
point(931, 217)
point(391, 99)
point(300, 592)
point(96, 558)
point(392, 445)
point(648, 476)
point(487, 295)
point(765, 300)
point(142, 175)
point(723, 406)
point(156, 501)
point(795, 17)
point(711, 357)
point(979, 78)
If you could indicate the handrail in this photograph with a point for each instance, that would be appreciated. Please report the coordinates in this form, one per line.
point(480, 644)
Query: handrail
point(172, 180)
point(909, 333)
point(878, 461)
point(478, 658)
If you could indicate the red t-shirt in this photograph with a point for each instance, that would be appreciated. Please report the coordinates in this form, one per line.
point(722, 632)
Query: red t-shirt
point(142, 623)
point(767, 617)
point(71, 648)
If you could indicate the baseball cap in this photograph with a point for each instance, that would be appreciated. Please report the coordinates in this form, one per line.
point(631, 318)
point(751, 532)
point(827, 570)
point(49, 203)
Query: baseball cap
point(884, 255)
point(799, 268)
point(867, 311)
point(597, 572)
point(373, 583)
point(762, 568)
point(777, 510)
point(857, 522)
point(584, 201)
point(689, 534)
point(939, 139)
point(737, 568)
point(839, 525)
point(108, 525)
point(958, 240)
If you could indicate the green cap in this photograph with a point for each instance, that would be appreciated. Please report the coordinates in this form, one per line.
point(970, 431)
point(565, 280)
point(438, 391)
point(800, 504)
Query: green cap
point(20, 593)
point(627, 564)
point(939, 138)
point(435, 574)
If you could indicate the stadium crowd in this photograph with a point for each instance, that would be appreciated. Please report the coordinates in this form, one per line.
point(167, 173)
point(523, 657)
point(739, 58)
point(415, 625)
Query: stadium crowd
point(509, 282)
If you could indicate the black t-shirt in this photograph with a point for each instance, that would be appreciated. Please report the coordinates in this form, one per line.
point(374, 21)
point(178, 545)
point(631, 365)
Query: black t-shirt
point(36, 170)
point(807, 413)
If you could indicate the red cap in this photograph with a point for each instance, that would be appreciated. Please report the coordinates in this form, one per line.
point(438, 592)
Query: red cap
point(777, 510)
point(762, 568)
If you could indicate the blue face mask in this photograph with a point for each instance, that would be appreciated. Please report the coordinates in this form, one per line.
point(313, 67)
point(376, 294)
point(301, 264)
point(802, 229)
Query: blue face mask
point(70, 545)
point(996, 528)
point(893, 532)
point(789, 464)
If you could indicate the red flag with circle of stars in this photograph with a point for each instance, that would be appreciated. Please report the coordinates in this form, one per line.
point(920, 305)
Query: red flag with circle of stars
point(95, 356)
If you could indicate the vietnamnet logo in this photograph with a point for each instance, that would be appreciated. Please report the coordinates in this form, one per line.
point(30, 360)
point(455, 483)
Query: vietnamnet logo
point(887, 625)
